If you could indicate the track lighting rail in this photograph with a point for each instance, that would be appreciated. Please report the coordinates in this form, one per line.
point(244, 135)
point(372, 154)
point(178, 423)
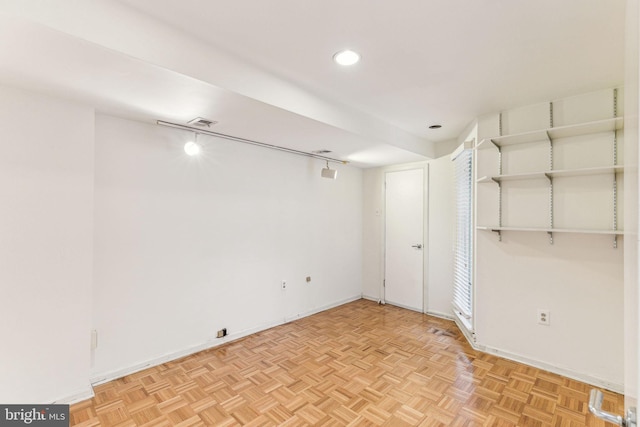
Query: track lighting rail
point(249, 141)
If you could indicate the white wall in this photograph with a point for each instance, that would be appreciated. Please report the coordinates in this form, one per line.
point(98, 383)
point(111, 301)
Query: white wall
point(373, 232)
point(179, 247)
point(442, 221)
point(186, 246)
point(439, 223)
point(631, 294)
point(580, 277)
point(46, 187)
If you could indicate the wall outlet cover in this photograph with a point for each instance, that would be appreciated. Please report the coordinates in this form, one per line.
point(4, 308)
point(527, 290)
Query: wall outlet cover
point(544, 317)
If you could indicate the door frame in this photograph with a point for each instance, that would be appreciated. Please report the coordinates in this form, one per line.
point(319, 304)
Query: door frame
point(425, 231)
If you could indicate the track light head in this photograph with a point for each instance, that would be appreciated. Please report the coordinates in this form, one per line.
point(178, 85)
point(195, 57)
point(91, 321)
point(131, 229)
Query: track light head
point(328, 172)
point(192, 148)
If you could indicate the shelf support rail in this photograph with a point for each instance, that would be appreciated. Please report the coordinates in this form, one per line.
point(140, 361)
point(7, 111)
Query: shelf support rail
point(550, 178)
point(499, 183)
point(499, 209)
point(615, 175)
point(615, 190)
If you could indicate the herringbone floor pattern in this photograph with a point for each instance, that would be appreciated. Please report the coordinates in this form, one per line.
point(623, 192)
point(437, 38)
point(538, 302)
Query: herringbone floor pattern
point(356, 365)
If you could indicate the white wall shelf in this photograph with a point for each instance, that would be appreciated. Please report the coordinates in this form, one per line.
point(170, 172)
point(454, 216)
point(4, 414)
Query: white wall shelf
point(549, 134)
point(548, 172)
point(552, 230)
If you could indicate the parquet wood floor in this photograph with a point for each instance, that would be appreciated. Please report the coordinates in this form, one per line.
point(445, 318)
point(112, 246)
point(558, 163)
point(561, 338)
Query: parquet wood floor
point(360, 364)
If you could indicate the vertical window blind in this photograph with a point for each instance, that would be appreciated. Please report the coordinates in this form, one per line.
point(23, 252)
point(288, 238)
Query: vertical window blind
point(463, 256)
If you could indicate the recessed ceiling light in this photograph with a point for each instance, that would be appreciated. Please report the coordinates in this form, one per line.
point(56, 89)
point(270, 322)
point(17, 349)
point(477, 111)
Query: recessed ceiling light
point(346, 57)
point(435, 126)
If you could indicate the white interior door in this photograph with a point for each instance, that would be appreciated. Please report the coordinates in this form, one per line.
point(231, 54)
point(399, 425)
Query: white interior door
point(404, 246)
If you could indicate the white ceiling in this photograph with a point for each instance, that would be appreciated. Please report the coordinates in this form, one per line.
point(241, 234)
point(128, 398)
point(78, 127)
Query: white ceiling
point(263, 69)
point(423, 61)
point(57, 64)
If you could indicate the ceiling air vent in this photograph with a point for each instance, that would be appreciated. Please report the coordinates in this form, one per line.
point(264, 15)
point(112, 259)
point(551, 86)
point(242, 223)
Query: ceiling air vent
point(203, 123)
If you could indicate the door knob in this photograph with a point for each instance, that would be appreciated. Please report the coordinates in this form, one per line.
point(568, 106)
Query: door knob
point(595, 407)
point(418, 246)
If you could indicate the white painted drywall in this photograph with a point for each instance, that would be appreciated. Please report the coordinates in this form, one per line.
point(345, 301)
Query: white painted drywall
point(185, 246)
point(580, 277)
point(441, 236)
point(152, 41)
point(631, 294)
point(439, 220)
point(46, 224)
point(372, 233)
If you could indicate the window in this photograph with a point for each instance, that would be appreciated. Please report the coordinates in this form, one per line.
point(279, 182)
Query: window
point(463, 250)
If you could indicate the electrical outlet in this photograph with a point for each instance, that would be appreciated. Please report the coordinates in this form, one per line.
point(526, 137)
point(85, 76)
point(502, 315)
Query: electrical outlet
point(222, 333)
point(284, 285)
point(544, 317)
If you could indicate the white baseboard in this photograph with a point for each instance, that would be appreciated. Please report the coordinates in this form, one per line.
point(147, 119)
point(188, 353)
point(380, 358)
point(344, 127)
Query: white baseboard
point(78, 396)
point(370, 298)
point(440, 315)
point(578, 376)
point(468, 333)
point(446, 316)
point(119, 373)
point(406, 307)
point(323, 308)
point(569, 373)
point(109, 376)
